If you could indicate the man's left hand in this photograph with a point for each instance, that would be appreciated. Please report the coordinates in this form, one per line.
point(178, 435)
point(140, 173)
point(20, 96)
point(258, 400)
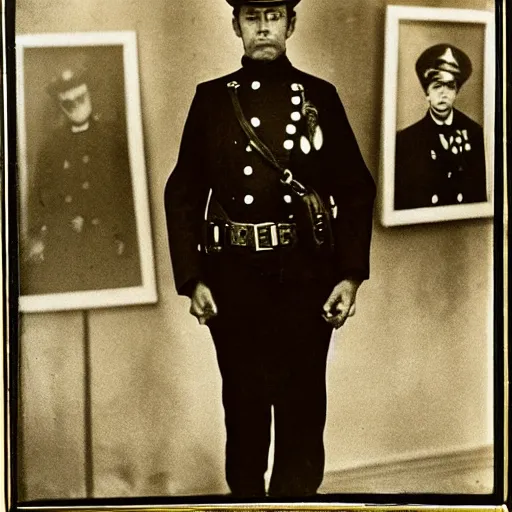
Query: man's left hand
point(341, 303)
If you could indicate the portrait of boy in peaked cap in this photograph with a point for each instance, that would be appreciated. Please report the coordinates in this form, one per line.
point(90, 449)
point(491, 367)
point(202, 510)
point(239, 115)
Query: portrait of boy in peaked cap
point(440, 159)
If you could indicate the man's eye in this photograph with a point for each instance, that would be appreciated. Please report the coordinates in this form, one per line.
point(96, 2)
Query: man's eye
point(273, 16)
point(251, 17)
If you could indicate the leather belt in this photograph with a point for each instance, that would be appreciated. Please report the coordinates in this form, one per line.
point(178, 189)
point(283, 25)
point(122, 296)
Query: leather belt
point(265, 236)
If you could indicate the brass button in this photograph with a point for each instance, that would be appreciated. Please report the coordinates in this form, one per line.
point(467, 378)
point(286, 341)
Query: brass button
point(288, 144)
point(291, 129)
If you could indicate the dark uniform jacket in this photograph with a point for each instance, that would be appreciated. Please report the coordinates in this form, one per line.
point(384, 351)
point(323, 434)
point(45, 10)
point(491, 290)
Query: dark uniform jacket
point(81, 209)
point(440, 165)
point(215, 155)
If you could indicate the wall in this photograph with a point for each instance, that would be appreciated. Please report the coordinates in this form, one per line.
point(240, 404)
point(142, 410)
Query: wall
point(408, 375)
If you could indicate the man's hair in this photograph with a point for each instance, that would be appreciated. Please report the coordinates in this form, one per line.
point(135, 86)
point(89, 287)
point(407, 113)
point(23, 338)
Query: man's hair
point(290, 13)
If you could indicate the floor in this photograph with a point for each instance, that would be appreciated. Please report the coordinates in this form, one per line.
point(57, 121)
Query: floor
point(469, 472)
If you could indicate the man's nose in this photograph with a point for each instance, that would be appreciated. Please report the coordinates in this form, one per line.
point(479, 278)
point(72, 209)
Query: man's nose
point(263, 25)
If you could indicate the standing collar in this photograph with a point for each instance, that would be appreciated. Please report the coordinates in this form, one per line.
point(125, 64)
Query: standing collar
point(79, 129)
point(448, 121)
point(267, 69)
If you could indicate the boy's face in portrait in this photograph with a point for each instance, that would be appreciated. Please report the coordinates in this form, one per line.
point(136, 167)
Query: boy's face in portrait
point(76, 104)
point(441, 97)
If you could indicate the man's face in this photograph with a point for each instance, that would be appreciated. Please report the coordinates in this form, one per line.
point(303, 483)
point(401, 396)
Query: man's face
point(441, 96)
point(76, 104)
point(264, 31)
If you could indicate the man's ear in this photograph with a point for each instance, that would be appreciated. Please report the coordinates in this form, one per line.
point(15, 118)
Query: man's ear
point(291, 27)
point(236, 27)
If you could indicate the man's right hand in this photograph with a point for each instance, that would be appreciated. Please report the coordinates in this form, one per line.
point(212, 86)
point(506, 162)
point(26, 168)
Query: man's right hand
point(202, 305)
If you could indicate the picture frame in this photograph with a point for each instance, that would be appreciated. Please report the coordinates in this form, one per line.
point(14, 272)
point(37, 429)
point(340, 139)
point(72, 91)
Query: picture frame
point(96, 233)
point(409, 32)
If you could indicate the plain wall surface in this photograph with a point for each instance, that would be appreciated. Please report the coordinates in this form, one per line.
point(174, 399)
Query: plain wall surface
point(409, 374)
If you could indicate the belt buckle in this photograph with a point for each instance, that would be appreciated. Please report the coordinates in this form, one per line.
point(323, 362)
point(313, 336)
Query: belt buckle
point(265, 236)
point(239, 234)
point(285, 234)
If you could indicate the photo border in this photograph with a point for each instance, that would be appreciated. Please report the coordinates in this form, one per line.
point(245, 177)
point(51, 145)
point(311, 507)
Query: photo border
point(8, 315)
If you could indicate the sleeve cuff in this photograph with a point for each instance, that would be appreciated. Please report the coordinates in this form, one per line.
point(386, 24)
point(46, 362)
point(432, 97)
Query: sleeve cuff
point(355, 275)
point(188, 287)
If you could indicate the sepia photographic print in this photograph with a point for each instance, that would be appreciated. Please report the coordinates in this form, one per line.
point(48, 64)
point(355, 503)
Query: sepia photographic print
point(82, 178)
point(437, 145)
point(322, 336)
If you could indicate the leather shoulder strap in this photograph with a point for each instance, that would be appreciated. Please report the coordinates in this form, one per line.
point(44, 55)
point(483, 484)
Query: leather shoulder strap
point(285, 174)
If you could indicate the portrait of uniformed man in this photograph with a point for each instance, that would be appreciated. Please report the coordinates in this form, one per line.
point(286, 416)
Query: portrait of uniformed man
point(269, 216)
point(440, 160)
point(81, 231)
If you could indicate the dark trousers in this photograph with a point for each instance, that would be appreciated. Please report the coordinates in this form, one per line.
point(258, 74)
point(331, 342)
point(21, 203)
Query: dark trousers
point(272, 345)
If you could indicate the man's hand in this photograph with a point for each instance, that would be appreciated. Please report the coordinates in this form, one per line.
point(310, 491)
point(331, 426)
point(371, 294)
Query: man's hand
point(34, 250)
point(341, 303)
point(202, 305)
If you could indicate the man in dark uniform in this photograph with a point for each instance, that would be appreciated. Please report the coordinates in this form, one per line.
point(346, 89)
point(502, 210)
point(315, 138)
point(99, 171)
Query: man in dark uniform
point(81, 218)
point(269, 299)
point(440, 159)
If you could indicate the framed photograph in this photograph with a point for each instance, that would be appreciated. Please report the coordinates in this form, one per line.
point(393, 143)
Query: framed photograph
point(84, 224)
point(437, 139)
